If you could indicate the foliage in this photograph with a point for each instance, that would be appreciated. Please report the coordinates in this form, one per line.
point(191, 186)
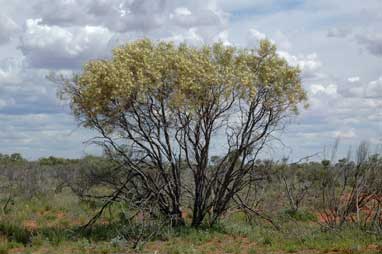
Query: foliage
point(185, 76)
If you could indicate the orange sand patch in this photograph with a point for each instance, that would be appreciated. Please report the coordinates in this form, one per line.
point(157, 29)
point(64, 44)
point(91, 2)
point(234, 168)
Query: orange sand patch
point(217, 245)
point(30, 225)
point(16, 250)
point(60, 215)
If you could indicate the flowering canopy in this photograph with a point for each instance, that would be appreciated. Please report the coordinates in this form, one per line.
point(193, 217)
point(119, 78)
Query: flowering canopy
point(186, 77)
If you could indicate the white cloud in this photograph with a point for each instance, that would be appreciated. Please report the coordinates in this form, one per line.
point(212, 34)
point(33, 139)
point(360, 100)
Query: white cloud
point(191, 37)
point(62, 34)
point(182, 11)
point(372, 41)
point(130, 15)
point(282, 41)
point(223, 37)
point(374, 89)
point(10, 71)
point(6, 102)
point(337, 32)
point(330, 89)
point(8, 28)
point(254, 37)
point(309, 64)
point(56, 47)
point(354, 88)
point(37, 135)
point(183, 17)
point(354, 79)
point(348, 134)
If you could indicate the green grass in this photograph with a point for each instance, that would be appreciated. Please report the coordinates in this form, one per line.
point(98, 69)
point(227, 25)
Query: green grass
point(302, 234)
point(54, 221)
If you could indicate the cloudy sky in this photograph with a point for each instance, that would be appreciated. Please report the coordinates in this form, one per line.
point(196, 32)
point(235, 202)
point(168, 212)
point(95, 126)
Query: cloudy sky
point(337, 44)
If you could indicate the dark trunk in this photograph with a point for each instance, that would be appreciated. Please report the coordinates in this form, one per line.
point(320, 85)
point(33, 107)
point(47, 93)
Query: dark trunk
point(176, 219)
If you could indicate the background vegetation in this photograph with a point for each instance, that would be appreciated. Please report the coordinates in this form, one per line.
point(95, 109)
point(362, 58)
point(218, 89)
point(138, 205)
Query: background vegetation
point(304, 207)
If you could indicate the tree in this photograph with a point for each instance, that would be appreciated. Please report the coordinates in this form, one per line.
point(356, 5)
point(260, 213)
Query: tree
point(351, 190)
point(14, 157)
point(159, 107)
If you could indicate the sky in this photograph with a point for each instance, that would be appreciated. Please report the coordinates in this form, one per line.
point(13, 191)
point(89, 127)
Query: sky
point(336, 43)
